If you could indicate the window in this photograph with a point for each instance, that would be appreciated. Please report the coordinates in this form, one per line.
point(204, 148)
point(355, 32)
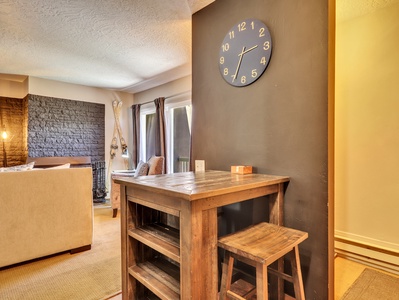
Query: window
point(178, 133)
point(147, 127)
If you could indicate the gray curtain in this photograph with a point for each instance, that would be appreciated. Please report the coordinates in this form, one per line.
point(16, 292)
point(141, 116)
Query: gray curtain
point(160, 142)
point(155, 138)
point(151, 135)
point(136, 134)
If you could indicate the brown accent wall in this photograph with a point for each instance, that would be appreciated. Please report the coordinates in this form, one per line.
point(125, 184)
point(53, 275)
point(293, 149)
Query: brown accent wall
point(278, 124)
point(14, 116)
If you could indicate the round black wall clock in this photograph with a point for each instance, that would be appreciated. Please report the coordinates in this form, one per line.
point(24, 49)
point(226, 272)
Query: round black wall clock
point(245, 52)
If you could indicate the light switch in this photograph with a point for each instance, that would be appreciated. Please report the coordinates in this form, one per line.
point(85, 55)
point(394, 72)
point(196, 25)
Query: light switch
point(199, 166)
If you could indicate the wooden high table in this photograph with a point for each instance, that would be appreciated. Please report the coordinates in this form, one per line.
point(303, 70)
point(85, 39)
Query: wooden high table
point(178, 260)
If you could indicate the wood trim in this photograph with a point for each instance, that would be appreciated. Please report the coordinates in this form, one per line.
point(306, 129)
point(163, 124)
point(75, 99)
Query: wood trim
point(331, 144)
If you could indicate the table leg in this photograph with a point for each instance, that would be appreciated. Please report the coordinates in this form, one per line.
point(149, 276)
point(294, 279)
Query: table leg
point(276, 208)
point(209, 249)
point(198, 252)
point(124, 246)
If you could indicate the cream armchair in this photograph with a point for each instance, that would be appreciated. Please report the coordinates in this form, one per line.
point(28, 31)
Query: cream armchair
point(44, 212)
point(154, 166)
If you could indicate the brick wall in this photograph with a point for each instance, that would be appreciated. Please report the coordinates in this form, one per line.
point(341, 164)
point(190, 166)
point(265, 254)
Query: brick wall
point(13, 115)
point(62, 127)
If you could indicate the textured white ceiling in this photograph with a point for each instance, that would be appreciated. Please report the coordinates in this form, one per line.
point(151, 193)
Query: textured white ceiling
point(128, 45)
point(117, 44)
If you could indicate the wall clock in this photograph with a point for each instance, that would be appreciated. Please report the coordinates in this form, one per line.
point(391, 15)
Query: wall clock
point(245, 52)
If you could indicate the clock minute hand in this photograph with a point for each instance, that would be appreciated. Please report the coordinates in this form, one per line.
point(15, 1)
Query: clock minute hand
point(239, 63)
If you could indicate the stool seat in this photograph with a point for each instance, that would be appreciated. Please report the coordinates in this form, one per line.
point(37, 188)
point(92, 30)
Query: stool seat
point(259, 246)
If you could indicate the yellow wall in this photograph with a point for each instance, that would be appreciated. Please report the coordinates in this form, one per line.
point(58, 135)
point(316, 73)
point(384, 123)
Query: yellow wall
point(367, 129)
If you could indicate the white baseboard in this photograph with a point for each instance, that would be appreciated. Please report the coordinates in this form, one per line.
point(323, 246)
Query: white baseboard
point(367, 261)
point(375, 253)
point(365, 240)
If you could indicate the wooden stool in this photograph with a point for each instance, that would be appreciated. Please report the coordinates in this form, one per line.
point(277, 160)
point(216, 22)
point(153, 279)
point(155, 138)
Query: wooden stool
point(259, 246)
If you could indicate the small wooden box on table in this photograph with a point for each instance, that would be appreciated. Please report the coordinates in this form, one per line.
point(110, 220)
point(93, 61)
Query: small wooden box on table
point(169, 229)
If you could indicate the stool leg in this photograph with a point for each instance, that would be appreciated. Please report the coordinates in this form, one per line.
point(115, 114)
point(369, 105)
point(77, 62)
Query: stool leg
point(297, 274)
point(277, 283)
point(261, 282)
point(227, 274)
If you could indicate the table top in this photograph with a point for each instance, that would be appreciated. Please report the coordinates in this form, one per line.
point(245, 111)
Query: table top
point(193, 186)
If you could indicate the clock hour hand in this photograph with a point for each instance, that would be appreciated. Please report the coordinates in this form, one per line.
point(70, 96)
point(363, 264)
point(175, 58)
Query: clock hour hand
point(239, 63)
point(252, 48)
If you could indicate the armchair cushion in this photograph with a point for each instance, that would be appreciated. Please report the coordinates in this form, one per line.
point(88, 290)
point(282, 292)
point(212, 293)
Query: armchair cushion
point(26, 167)
point(142, 169)
point(64, 166)
point(156, 164)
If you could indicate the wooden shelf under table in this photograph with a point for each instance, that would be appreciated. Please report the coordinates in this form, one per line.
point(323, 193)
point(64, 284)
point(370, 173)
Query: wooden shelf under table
point(160, 276)
point(159, 237)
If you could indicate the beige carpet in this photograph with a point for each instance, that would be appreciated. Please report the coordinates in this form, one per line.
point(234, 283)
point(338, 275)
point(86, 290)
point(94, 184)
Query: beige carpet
point(91, 275)
point(371, 285)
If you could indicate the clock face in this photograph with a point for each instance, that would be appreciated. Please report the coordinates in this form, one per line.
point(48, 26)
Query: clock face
point(245, 52)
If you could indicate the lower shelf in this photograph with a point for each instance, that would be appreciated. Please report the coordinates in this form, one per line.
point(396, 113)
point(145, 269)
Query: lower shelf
point(244, 289)
point(159, 237)
point(159, 276)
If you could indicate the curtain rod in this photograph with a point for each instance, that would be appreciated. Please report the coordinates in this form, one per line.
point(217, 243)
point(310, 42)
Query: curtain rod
point(166, 98)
